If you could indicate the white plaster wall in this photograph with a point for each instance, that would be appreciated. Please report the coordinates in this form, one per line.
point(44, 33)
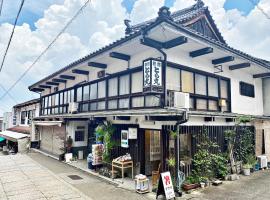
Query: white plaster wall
point(199, 121)
point(71, 127)
point(240, 104)
point(266, 95)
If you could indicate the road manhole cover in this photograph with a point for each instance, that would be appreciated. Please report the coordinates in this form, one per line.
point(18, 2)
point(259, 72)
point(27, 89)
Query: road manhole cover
point(75, 177)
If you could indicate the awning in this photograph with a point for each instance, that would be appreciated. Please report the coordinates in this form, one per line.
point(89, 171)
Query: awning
point(2, 139)
point(13, 136)
point(48, 123)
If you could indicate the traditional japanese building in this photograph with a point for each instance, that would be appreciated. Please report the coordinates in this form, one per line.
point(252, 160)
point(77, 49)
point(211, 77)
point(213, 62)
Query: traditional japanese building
point(174, 72)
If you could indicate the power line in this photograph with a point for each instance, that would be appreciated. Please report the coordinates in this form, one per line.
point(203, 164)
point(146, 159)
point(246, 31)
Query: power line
point(45, 50)
point(14, 26)
point(1, 6)
point(8, 94)
point(260, 9)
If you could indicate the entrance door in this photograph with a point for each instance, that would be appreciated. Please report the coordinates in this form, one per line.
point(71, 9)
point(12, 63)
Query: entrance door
point(152, 151)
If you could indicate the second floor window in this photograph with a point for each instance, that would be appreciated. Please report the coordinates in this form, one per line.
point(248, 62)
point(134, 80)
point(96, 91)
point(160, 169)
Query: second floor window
point(247, 89)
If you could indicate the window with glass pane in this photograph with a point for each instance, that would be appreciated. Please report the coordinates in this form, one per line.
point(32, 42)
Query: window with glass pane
point(212, 87)
point(56, 101)
point(93, 106)
point(101, 105)
point(101, 89)
point(53, 100)
point(137, 82)
point(213, 105)
point(93, 91)
point(71, 96)
point(124, 85)
point(112, 104)
point(79, 94)
point(124, 103)
point(86, 92)
point(65, 97)
point(200, 84)
point(46, 102)
point(151, 101)
point(191, 103)
point(50, 101)
point(187, 81)
point(113, 87)
point(85, 107)
point(224, 89)
point(137, 102)
point(61, 98)
point(201, 104)
point(173, 79)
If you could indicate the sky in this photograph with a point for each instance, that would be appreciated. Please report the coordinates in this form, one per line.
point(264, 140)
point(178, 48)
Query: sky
point(241, 22)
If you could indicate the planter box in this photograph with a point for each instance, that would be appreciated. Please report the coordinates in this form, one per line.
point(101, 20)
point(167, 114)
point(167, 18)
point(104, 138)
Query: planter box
point(187, 187)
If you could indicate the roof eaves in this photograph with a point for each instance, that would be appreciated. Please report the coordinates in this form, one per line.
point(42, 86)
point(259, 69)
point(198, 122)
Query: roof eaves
point(91, 55)
point(218, 43)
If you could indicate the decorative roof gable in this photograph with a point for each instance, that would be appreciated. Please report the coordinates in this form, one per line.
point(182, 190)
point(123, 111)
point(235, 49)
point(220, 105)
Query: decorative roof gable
point(196, 17)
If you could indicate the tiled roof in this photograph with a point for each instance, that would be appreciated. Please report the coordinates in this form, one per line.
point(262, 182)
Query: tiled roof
point(184, 16)
point(149, 25)
point(20, 129)
point(32, 101)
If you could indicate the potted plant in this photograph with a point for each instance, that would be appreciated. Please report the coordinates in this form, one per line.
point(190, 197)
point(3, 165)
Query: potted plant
point(246, 169)
point(191, 182)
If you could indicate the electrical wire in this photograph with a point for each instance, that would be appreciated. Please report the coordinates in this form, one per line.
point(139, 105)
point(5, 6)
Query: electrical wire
point(45, 50)
point(1, 6)
point(8, 94)
point(260, 9)
point(12, 33)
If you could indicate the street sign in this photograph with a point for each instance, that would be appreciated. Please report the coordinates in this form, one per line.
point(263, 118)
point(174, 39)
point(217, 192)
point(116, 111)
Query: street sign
point(165, 186)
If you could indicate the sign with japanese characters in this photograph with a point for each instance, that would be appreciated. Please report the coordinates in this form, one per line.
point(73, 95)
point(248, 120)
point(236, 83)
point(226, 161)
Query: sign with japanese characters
point(165, 186)
point(152, 76)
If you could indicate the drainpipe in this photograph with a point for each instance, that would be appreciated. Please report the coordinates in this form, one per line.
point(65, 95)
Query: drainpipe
point(178, 124)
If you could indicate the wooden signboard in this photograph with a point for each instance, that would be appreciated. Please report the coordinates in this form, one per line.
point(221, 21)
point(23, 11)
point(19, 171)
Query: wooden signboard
point(165, 186)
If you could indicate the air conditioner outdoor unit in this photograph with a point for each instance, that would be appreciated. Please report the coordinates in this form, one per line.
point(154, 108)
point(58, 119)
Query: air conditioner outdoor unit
point(178, 100)
point(262, 161)
point(73, 107)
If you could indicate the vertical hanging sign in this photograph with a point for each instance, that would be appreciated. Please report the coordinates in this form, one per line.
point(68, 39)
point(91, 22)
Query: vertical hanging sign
point(152, 76)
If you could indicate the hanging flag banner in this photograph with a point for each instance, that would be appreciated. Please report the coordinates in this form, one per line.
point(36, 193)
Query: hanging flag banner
point(152, 76)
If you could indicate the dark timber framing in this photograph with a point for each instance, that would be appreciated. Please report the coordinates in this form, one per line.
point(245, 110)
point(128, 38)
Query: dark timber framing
point(79, 71)
point(52, 83)
point(68, 77)
point(120, 56)
point(164, 45)
point(263, 75)
point(97, 65)
point(45, 86)
point(59, 80)
point(201, 52)
point(239, 66)
point(87, 105)
point(222, 60)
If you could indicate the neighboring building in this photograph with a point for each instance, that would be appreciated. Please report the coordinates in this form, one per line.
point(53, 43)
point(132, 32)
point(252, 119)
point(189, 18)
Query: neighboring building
point(1, 123)
point(17, 133)
point(173, 70)
point(7, 121)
